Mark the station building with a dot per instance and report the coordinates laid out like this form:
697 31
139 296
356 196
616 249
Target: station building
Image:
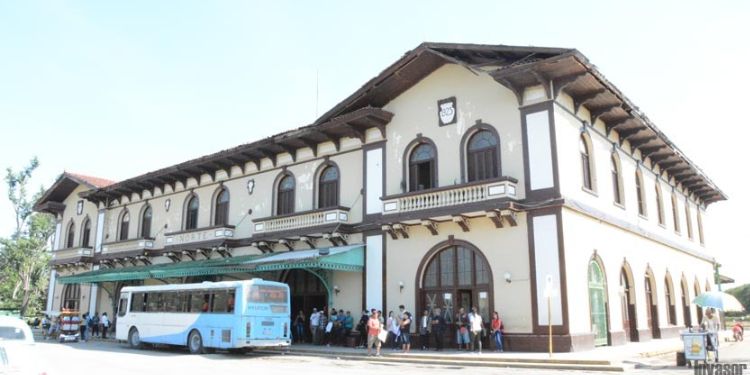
513 179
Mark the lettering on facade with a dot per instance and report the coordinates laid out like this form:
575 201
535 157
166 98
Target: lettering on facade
191 237
447 111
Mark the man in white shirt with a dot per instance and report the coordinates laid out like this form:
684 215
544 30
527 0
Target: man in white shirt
314 324
476 325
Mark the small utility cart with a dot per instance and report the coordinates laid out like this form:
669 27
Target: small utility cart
70 326
698 344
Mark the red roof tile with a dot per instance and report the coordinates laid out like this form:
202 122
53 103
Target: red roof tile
94 181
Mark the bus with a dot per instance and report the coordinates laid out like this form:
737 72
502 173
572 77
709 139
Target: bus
204 316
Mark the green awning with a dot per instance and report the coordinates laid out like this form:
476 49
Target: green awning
342 258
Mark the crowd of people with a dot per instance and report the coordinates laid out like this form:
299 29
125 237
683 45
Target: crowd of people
89 326
395 330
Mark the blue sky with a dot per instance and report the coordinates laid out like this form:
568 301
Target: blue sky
116 89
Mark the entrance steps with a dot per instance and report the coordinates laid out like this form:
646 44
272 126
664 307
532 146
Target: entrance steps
453 359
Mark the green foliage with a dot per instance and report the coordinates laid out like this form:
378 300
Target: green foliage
742 293
24 257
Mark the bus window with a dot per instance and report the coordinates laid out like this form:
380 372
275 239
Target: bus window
219 304
267 294
183 299
230 301
171 302
138 302
122 307
153 302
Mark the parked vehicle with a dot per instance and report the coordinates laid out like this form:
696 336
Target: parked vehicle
205 316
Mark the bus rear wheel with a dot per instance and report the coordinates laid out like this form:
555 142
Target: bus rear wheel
134 338
195 343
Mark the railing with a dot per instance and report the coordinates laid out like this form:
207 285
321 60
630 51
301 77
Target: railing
302 220
450 196
128 245
72 253
199 235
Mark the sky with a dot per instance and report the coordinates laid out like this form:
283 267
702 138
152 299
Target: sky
117 89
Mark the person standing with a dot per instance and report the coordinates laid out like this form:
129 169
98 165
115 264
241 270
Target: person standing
424 330
711 324
314 324
83 325
406 331
105 325
322 328
462 329
362 328
373 330
497 331
438 326
347 327
476 325
95 325
299 327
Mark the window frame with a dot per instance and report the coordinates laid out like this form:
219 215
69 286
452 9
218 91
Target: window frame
123 225
640 194
287 206
411 170
86 232
617 188
70 236
190 220
328 192
146 221
585 150
221 208
466 153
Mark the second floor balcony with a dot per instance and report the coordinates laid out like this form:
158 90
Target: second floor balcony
302 220
200 240
72 256
135 248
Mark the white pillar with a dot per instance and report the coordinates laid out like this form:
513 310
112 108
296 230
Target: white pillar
99 231
374 269
51 289
53 273
93 294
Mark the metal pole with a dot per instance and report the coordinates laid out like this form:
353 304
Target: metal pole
549 321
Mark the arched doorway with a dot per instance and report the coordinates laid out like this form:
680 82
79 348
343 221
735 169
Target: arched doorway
670 300
627 302
451 276
686 318
307 292
71 297
652 309
598 303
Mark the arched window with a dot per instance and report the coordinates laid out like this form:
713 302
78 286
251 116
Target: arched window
71 297
124 225
86 233
700 227
616 180
659 203
285 195
685 302
627 303
71 237
588 179
640 193
652 310
688 220
482 156
328 187
670 300
191 212
675 216
146 217
221 207
699 310
422 167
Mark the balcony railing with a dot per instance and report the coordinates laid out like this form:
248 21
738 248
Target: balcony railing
72 255
504 187
300 220
128 246
199 235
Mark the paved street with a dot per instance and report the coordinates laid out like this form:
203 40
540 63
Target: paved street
114 359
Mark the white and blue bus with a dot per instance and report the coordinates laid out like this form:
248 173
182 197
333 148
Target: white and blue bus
234 315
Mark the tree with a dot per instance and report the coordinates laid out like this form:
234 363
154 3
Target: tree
24 257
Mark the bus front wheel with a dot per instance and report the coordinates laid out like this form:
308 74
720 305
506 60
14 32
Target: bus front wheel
195 343
134 338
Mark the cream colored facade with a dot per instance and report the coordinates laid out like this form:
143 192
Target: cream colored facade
532 224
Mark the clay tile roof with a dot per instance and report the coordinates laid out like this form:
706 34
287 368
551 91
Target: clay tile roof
96 182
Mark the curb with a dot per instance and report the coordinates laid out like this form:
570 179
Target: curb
468 362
